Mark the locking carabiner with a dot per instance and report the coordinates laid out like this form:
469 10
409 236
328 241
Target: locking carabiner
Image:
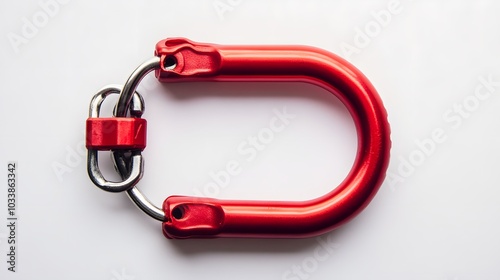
181 60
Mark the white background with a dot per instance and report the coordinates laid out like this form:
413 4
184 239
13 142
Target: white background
437 216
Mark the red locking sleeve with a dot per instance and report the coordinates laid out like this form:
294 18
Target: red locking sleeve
116 133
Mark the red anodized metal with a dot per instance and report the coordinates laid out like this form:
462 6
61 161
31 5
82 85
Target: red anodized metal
187 217
116 134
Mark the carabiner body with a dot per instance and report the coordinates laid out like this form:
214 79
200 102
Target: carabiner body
182 60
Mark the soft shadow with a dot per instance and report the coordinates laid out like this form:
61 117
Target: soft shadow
189 247
245 90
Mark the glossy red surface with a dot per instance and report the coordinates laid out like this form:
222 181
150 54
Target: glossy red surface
116 133
188 217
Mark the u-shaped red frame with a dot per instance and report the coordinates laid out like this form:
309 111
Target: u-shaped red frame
188 217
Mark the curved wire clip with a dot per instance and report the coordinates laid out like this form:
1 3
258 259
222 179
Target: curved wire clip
178 60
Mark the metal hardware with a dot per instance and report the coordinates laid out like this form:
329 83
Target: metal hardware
120 161
93 170
133 81
118 157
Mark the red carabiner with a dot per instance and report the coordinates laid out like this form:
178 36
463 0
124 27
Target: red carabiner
182 60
